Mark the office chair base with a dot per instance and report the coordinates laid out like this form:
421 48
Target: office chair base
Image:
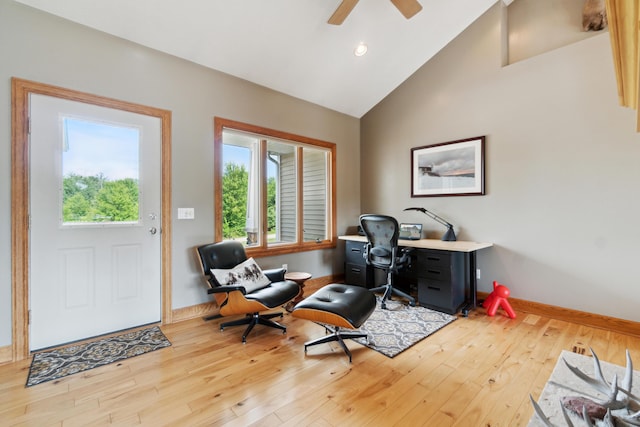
254 319
389 291
336 334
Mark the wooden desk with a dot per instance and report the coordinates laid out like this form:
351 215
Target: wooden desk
459 246
468 255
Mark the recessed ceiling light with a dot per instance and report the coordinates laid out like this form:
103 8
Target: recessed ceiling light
360 50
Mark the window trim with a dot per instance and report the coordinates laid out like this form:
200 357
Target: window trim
220 124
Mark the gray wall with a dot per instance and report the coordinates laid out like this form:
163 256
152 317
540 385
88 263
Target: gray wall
562 169
46 49
562 175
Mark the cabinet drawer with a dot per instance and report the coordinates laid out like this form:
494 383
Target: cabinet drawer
355 274
437 259
354 253
434 293
434 265
437 273
440 295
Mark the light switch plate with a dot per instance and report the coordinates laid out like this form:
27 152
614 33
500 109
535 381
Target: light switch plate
186 213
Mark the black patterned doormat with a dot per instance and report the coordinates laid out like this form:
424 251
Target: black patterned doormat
60 362
400 326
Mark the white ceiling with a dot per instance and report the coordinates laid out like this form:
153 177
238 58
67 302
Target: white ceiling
286 45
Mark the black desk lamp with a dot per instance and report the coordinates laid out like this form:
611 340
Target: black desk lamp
449 235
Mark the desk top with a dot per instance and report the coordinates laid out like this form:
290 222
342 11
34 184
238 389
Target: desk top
458 246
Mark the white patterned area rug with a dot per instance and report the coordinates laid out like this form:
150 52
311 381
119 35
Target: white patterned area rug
58 363
399 326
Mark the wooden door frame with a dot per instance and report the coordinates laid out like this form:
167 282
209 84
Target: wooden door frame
20 168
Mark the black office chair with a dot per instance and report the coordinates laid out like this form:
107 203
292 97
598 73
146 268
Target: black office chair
382 252
245 289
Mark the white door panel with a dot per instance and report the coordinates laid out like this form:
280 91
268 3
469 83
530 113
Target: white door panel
90 278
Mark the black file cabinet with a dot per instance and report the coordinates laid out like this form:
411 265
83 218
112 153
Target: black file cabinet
441 279
356 268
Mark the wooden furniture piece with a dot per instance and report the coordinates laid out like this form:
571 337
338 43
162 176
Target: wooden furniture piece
444 272
623 17
299 277
337 306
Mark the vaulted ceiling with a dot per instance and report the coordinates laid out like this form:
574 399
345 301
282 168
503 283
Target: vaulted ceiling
287 45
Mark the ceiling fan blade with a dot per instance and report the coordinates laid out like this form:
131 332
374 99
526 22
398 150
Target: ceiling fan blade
342 12
407 7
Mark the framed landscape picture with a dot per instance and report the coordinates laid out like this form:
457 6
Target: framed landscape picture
454 168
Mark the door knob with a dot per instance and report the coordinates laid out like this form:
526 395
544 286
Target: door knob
153 230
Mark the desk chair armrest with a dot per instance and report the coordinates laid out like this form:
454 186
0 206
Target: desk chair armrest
404 257
275 274
365 253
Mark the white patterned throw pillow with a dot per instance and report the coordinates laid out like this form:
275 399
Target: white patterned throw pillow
247 274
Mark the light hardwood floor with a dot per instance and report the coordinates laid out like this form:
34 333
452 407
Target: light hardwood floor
478 371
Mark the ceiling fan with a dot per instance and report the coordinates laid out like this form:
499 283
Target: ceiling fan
407 7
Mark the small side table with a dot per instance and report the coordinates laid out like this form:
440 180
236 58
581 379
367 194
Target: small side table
298 277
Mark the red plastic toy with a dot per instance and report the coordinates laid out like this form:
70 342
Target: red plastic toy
498 298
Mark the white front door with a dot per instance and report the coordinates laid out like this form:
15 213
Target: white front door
95 199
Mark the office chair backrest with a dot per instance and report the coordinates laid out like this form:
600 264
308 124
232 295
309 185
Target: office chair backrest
382 232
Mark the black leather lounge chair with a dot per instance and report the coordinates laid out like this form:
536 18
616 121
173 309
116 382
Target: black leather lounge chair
240 287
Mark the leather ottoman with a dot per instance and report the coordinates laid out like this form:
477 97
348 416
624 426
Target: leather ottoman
337 306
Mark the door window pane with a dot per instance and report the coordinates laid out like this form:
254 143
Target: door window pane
100 173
